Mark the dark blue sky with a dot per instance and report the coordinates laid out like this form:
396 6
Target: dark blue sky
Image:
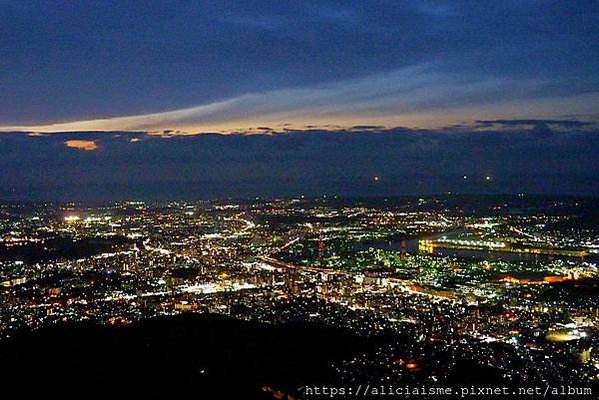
502 88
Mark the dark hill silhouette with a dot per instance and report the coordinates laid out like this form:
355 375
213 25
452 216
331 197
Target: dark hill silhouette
209 356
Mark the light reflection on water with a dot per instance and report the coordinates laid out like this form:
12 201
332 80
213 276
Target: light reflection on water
411 246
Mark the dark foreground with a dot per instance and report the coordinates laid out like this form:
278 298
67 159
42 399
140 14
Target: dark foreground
209 356
203 356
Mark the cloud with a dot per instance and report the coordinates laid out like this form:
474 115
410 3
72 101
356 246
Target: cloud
367 127
564 123
419 96
310 162
542 128
85 145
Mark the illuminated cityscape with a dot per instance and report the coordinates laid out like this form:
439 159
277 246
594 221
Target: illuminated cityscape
506 283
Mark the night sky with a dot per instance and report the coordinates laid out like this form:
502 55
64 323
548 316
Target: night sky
189 99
